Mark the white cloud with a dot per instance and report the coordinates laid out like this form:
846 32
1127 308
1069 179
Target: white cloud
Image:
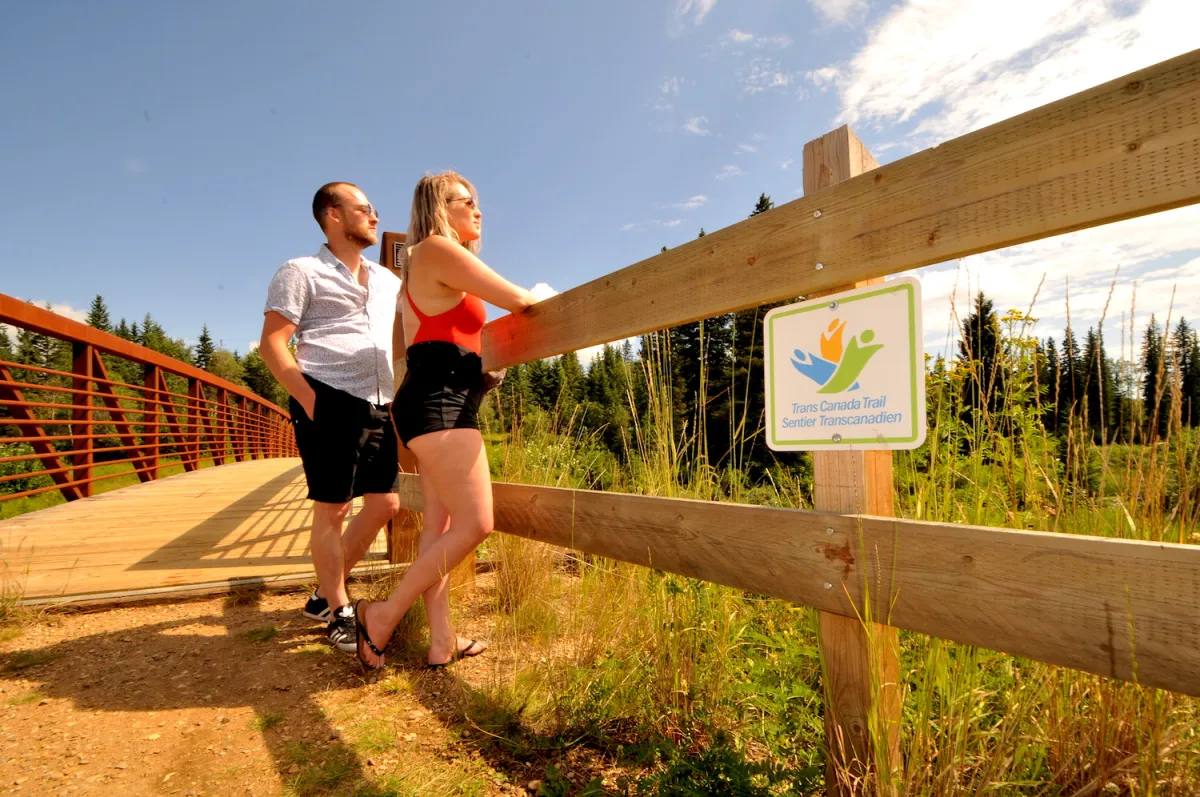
728 171
639 225
787 163
136 166
761 74
840 12
670 86
693 11
61 308
740 39
662 106
980 62
1155 254
746 148
691 203
251 346
824 77
697 125
542 291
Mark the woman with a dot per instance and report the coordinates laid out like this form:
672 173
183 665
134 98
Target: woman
445 286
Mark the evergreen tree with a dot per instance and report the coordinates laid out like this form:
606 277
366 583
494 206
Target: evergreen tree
701 353
204 349
258 377
607 389
1154 382
122 330
1098 383
979 350
1049 378
747 405
513 398
1070 382
544 383
570 382
32 349
1187 360
6 347
98 315
226 365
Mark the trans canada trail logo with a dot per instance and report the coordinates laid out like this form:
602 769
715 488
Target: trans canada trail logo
839 365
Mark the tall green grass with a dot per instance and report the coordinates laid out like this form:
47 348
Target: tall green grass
656 668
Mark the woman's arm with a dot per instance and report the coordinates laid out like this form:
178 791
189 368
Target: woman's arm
458 269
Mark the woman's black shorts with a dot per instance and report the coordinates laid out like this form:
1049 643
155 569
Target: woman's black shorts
442 389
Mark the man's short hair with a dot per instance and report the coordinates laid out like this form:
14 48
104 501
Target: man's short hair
324 199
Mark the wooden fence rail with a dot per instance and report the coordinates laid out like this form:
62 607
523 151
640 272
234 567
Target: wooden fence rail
1127 148
1125 609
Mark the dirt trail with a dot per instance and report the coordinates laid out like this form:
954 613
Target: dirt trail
189 698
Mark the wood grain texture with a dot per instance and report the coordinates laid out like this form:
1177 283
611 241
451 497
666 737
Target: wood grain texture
860 659
237 521
1082 602
1119 150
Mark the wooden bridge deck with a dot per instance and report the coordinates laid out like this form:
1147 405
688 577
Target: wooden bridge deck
248 520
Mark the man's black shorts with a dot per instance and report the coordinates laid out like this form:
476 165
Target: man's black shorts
348 447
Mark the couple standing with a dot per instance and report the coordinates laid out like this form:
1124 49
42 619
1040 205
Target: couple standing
348 317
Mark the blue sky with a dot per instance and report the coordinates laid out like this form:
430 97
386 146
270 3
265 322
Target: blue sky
164 155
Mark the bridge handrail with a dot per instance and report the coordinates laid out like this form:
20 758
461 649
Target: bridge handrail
213 420
45 322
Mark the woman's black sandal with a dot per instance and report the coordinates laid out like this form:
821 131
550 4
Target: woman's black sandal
361 636
459 654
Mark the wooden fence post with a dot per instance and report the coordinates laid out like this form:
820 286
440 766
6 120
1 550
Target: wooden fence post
860 661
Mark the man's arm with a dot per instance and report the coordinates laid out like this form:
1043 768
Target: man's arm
273 348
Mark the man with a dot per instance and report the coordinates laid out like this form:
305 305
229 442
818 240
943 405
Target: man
341 308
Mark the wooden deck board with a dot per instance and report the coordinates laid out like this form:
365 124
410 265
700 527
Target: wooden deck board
249 519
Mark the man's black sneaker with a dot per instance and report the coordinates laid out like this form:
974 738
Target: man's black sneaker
341 629
317 608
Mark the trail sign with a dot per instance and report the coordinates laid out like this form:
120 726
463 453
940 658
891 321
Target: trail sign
847 371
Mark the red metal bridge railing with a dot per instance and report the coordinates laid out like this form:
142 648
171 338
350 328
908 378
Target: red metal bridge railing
64 424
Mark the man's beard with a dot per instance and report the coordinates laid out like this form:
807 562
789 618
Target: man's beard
363 240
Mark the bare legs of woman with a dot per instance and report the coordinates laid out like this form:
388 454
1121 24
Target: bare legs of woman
444 644
454 469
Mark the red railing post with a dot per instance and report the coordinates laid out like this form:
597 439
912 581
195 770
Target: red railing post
222 419
152 416
195 393
83 439
243 439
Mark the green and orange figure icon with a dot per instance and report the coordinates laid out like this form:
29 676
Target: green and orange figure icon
838 367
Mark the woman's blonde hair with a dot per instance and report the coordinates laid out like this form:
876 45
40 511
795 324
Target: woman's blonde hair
429 216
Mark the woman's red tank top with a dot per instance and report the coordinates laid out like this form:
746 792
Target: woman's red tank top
462 324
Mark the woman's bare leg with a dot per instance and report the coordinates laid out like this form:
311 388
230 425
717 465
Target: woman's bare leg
454 463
